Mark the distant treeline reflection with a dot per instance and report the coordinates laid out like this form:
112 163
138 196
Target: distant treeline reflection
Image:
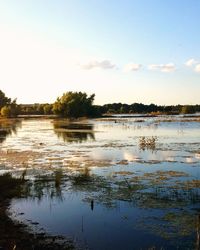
73 132
8 127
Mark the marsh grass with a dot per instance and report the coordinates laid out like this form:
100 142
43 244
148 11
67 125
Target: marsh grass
147 142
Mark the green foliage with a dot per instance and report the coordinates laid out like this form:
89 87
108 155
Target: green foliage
6 111
36 109
78 104
140 108
188 109
47 109
74 104
8 108
4 100
11 110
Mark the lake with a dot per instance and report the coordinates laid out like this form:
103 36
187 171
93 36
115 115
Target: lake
109 183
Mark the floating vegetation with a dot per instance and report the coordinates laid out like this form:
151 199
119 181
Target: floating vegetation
164 175
123 162
148 142
109 182
18 158
159 177
191 184
173 226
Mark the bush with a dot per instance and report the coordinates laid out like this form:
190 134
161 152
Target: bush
6 111
74 105
11 110
47 109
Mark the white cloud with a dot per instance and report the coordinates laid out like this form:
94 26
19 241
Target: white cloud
105 64
197 68
191 62
132 67
194 64
169 67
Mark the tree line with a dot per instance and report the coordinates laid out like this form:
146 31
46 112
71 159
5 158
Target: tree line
140 108
79 104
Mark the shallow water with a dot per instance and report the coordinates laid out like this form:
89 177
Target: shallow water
120 183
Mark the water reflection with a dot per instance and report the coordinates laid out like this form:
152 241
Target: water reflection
49 185
162 205
73 132
8 127
120 186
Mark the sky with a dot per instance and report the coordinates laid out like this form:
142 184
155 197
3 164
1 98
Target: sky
122 50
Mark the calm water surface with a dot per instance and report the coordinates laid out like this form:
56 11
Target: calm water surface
113 183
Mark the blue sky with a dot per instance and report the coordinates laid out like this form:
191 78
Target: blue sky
123 51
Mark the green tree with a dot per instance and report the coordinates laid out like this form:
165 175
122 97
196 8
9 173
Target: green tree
6 111
47 109
188 109
4 100
11 109
74 104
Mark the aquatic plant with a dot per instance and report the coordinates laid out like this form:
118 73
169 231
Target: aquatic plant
148 142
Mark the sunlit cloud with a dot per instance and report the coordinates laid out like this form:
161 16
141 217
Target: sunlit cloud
194 64
132 67
197 68
105 64
169 67
191 62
